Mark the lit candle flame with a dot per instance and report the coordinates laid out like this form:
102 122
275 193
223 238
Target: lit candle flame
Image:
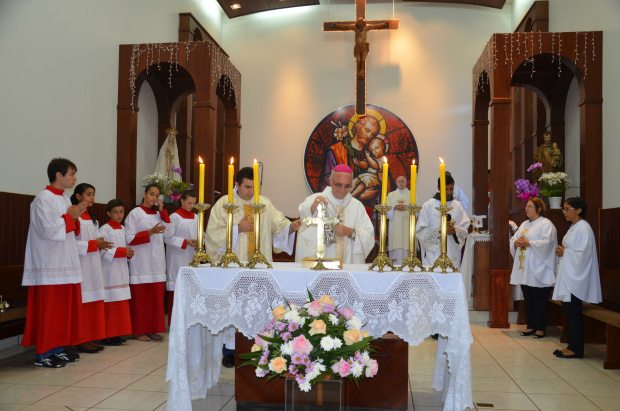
200 159
413 161
384 159
231 160
441 159
255 160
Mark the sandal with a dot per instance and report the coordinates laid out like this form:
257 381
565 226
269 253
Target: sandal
142 337
155 336
526 333
539 335
87 348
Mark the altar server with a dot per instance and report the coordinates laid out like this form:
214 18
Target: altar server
578 277
354 236
428 231
181 244
52 270
398 234
533 249
277 232
89 242
144 232
116 276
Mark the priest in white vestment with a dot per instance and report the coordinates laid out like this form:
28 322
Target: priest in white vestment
428 230
398 233
578 278
354 236
277 234
533 249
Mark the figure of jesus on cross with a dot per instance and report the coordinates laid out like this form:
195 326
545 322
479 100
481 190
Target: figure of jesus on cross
361 27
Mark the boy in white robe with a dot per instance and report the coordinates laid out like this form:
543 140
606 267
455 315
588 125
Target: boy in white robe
428 230
52 270
354 236
116 276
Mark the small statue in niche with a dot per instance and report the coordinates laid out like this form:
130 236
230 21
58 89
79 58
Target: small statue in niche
549 156
169 156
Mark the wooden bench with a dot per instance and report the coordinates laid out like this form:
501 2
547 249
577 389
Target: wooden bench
601 325
13 319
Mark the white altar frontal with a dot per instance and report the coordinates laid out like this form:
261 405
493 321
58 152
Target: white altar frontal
411 305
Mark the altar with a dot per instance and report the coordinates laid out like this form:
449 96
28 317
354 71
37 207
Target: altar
411 305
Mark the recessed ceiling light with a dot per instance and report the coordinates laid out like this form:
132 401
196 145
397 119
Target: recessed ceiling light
235 6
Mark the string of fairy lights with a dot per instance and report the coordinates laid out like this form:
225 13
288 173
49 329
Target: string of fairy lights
152 52
512 49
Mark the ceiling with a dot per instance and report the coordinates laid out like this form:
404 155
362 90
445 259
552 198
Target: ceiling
257 6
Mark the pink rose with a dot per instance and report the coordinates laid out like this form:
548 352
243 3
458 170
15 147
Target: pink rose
315 309
301 345
372 368
346 313
336 368
344 368
260 342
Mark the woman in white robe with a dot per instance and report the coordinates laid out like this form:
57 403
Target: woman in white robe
181 244
533 248
578 277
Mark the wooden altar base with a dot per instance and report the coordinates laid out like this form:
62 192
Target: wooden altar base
388 390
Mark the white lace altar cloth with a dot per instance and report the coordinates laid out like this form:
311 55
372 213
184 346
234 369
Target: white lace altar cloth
467 265
411 305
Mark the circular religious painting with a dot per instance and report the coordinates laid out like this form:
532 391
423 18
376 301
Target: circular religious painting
361 142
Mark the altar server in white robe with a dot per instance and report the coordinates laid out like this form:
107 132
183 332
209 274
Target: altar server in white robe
116 276
145 229
277 234
533 249
428 230
89 242
398 234
354 236
578 278
459 195
52 270
181 244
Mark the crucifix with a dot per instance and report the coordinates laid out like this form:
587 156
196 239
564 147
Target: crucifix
321 221
361 27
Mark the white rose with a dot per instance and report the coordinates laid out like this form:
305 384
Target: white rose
354 323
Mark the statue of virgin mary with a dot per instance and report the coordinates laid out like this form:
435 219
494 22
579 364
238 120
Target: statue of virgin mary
169 156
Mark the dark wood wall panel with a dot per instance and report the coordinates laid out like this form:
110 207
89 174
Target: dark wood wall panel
609 238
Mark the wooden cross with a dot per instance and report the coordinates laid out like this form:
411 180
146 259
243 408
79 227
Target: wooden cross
361 27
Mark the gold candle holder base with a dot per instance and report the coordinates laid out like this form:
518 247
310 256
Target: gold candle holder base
257 257
412 261
229 257
200 257
443 260
382 260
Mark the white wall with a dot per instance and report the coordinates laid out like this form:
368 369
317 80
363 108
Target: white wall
59 81
146 160
294 75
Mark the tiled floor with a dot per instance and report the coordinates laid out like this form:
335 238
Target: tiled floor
509 372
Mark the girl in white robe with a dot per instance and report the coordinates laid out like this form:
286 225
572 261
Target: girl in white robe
144 230
533 248
181 244
578 277
89 242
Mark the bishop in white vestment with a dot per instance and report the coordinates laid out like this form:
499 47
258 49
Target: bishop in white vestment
398 233
428 230
354 236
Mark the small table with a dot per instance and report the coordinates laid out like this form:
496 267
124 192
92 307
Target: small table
411 305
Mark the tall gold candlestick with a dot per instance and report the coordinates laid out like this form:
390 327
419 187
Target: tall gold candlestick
382 260
201 256
229 257
412 261
443 260
256 256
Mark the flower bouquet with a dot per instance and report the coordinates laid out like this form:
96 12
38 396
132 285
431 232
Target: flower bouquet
311 343
168 187
554 184
526 190
161 181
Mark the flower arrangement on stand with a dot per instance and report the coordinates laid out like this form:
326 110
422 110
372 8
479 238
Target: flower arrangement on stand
311 343
554 184
168 187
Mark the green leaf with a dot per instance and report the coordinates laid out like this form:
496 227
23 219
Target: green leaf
249 362
271 339
310 297
250 355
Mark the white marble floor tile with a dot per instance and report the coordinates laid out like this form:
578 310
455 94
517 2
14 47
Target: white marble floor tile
551 402
494 384
27 394
134 400
78 396
598 388
63 376
422 382
530 386
607 403
224 389
12 407
150 383
45 407
109 380
504 400
10 375
129 367
534 373
211 403
487 371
